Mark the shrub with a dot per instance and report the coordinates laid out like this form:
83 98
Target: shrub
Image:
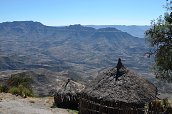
3 88
21 90
14 91
160 105
19 79
19 84
24 91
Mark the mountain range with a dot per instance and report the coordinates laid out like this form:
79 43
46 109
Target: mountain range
80 51
134 30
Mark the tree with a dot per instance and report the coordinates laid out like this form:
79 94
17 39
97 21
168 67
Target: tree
160 38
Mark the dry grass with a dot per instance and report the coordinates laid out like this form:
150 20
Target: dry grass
72 111
46 101
170 101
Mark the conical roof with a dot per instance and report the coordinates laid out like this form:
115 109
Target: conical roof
70 87
129 87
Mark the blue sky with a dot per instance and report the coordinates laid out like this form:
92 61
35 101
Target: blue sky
85 12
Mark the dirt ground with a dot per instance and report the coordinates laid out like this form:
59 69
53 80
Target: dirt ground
11 104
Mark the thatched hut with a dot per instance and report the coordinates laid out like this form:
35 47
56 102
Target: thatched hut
67 95
117 91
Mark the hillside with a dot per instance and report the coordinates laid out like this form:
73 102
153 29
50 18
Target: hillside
81 51
44 83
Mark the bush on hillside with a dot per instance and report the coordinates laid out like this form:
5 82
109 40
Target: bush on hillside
14 90
19 79
18 84
3 88
21 90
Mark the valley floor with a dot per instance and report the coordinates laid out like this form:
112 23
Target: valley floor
11 104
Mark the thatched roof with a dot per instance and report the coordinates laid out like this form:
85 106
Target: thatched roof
128 88
70 87
67 95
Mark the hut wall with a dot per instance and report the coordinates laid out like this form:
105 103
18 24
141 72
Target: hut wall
66 101
90 107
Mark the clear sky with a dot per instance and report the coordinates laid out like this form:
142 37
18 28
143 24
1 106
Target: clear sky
85 12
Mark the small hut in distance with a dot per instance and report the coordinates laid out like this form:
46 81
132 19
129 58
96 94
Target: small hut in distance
117 91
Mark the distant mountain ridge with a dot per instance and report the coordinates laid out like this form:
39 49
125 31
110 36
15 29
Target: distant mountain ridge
81 51
135 30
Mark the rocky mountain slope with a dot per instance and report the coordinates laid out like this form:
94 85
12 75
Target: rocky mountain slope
75 51
81 51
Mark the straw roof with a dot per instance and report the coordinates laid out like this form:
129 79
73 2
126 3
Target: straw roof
128 88
70 88
67 95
